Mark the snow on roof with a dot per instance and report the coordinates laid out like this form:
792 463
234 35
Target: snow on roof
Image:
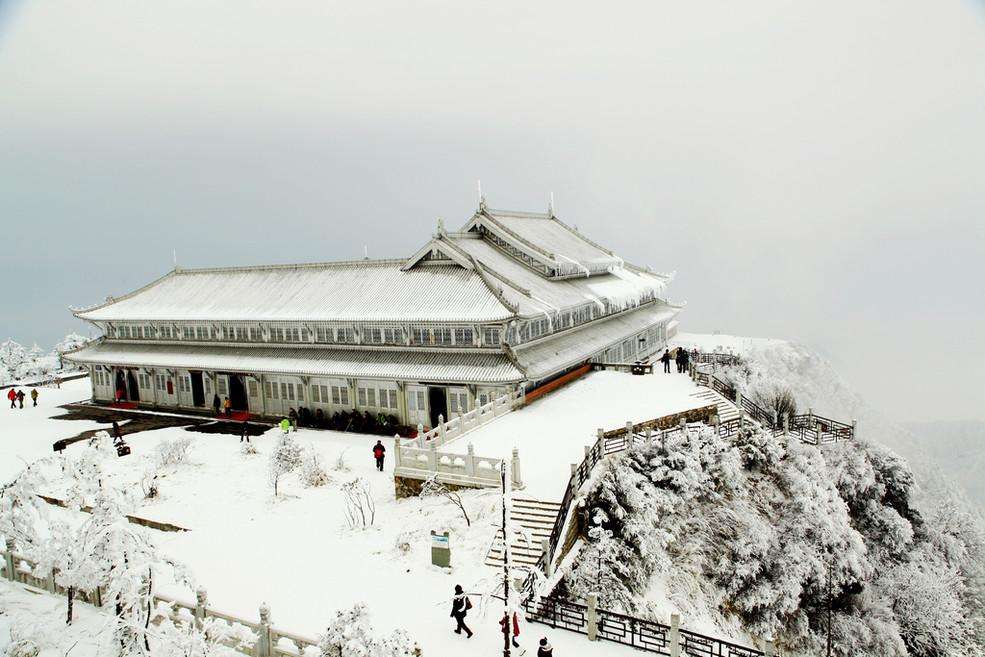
577 345
359 290
534 294
551 237
438 367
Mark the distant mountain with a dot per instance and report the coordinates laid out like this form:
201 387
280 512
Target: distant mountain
958 450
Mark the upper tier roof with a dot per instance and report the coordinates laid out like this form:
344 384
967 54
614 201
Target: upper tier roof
362 290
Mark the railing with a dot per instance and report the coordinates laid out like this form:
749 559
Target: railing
715 358
263 640
466 469
645 635
629 368
463 423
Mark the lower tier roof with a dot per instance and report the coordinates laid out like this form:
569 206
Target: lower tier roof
455 367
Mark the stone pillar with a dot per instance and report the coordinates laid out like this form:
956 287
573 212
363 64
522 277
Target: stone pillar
675 635
786 424
396 451
201 601
854 427
441 427
264 647
433 457
738 400
9 559
420 435
592 616
515 469
629 433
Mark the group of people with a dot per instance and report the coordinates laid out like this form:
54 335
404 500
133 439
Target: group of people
224 405
681 356
17 397
460 606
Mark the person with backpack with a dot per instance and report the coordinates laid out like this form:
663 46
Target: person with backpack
685 361
379 453
20 398
460 605
12 396
34 396
545 649
665 359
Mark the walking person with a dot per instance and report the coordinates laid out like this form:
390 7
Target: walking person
545 649
379 453
685 361
460 606
12 396
227 407
34 396
117 434
20 398
216 403
665 359
504 623
244 433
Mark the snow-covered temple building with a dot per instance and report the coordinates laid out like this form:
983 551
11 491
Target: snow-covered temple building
513 299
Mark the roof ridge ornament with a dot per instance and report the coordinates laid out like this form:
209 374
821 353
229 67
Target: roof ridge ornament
550 206
441 229
482 198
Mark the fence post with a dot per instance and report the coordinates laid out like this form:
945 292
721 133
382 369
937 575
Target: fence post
600 433
470 460
738 400
545 546
515 468
263 632
201 601
396 451
593 617
441 427
854 427
675 635
9 559
786 424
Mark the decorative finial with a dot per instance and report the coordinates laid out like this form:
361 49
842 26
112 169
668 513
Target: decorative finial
550 206
441 226
482 199
174 258
365 252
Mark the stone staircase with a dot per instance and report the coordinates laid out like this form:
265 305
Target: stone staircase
535 518
727 410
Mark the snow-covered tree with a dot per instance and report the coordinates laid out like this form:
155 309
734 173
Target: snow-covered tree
434 488
312 469
350 634
360 508
285 458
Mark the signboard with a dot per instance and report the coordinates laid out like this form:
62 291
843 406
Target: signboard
440 550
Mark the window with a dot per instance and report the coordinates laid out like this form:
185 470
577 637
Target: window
223 386
324 394
253 388
276 334
361 396
188 332
184 383
371 396
373 335
300 392
464 335
458 402
271 390
256 335
388 399
346 335
442 335
203 333
315 395
162 382
416 401
490 336
324 334
483 398
420 335
393 335
165 332
340 395
149 332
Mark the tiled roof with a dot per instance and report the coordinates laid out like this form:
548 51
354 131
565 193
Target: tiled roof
438 367
361 290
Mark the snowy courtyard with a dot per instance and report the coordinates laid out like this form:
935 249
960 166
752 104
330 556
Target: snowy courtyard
295 552
553 432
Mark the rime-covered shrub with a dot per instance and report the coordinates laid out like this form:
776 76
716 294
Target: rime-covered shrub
350 634
172 452
759 450
312 470
285 458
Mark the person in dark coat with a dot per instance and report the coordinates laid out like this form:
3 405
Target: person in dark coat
244 433
34 396
216 403
379 453
460 606
665 359
117 434
20 398
685 360
545 649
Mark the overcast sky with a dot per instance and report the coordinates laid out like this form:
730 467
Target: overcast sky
813 170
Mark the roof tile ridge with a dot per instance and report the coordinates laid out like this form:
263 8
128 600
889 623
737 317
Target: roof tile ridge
583 237
517 237
111 300
381 262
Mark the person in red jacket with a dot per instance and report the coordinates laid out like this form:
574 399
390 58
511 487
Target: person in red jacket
12 396
379 453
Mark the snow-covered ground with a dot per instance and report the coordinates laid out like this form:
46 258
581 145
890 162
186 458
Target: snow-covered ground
552 432
295 552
